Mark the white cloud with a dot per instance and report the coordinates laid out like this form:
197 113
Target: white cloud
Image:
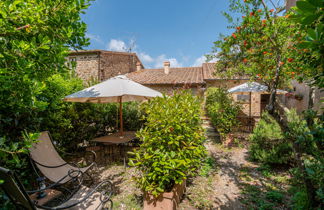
146 58
202 59
94 37
116 45
199 61
158 61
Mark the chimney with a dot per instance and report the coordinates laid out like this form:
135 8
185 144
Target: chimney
138 66
166 67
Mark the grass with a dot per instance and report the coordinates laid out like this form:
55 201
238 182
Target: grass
264 188
199 193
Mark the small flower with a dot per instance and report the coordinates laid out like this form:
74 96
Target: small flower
245 60
264 21
281 63
233 35
238 28
245 42
265 52
290 60
251 13
293 73
259 10
272 10
287 16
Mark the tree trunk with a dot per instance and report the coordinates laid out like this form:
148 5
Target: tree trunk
272 100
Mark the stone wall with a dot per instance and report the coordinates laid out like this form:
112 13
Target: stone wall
301 89
113 64
101 65
86 66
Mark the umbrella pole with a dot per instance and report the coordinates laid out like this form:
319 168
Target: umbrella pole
250 120
121 116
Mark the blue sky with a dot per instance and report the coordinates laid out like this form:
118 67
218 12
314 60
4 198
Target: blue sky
180 31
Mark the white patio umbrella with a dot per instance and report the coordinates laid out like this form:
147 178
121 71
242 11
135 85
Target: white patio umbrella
117 89
252 87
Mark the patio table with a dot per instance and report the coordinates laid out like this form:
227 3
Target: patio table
115 138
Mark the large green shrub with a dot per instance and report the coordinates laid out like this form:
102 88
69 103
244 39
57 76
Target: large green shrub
307 136
268 143
222 110
172 147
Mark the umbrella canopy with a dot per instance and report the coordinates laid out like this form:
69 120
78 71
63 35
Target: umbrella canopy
252 87
117 89
111 90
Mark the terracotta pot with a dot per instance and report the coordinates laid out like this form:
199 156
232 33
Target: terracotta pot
165 201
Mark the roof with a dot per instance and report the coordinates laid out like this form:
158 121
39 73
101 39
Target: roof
209 70
82 52
182 76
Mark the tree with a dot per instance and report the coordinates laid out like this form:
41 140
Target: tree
35 38
263 46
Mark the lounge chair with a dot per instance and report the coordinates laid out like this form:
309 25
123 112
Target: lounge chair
84 198
45 157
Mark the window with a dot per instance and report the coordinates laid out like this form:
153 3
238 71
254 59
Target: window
72 63
243 98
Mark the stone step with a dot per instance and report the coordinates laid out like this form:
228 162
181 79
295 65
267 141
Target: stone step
211 134
210 129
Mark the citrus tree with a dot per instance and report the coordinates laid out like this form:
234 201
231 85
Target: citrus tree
262 46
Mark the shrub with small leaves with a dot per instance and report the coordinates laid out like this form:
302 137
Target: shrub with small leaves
222 110
268 144
172 147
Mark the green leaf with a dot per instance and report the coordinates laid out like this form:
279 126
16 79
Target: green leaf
305 6
309 19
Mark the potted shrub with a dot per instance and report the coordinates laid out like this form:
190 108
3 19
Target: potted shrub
171 150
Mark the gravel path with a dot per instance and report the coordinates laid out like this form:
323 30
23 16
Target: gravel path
226 187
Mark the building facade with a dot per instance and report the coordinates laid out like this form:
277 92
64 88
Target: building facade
100 65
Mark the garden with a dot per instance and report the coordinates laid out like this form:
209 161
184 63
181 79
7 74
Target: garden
190 152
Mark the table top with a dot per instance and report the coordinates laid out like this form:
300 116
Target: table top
115 138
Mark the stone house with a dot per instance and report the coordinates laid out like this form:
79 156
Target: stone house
100 65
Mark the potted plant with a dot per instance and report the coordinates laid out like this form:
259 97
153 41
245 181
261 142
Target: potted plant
171 150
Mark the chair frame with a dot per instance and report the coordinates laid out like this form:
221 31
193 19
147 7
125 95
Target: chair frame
34 163
104 195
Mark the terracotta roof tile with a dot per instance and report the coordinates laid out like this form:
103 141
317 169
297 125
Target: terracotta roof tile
210 73
185 75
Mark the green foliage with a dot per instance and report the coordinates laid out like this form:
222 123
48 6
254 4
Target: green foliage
274 196
222 110
208 167
172 147
268 143
308 137
35 37
310 15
